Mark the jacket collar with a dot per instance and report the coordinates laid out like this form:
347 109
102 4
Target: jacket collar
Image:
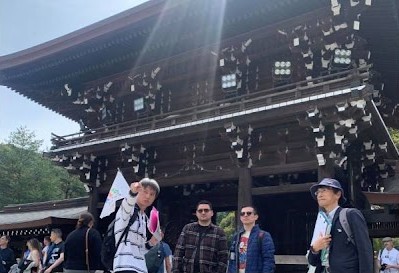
254 229
336 215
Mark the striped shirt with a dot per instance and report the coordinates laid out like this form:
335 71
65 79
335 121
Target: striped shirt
130 253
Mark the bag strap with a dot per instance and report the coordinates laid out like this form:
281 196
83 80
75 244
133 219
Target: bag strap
87 250
261 235
162 248
260 238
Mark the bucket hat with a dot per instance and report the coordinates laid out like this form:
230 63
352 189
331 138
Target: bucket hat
327 182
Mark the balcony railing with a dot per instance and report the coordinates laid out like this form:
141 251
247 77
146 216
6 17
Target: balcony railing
247 102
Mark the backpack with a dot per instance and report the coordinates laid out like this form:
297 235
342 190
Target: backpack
154 258
108 248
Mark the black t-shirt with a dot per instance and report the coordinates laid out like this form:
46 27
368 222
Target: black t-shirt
54 254
202 231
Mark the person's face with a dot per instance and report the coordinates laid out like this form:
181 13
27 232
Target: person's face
146 196
204 213
326 197
248 216
46 243
53 237
3 241
388 245
29 246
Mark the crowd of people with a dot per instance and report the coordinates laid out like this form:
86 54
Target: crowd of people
202 246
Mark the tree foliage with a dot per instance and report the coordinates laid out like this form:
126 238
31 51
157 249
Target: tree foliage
26 176
395 136
226 220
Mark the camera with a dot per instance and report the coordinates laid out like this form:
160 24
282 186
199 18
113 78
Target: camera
383 267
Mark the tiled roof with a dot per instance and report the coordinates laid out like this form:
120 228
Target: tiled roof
16 217
42 214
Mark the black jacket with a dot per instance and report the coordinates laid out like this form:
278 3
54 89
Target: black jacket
344 256
75 246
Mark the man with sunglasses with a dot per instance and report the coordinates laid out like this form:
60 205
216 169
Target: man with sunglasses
202 246
331 250
252 249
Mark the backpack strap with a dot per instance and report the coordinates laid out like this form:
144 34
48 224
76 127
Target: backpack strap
261 235
131 221
343 219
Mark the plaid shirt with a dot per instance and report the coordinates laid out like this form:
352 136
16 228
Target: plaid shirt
213 250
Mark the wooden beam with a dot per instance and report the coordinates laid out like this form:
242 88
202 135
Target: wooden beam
214 177
382 198
282 189
284 168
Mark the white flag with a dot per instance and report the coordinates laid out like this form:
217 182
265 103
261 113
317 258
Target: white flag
119 189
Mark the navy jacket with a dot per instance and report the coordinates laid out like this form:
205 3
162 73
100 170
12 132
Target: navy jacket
7 259
260 252
344 256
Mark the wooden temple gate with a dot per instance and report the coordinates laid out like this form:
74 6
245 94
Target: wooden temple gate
232 101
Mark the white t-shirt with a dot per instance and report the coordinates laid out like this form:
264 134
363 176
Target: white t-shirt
242 251
390 257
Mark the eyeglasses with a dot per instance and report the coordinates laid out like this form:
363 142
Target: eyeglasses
323 189
247 213
203 210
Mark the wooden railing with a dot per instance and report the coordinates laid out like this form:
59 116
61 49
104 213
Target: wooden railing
249 101
291 259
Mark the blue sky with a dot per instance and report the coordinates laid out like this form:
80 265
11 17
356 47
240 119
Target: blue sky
26 23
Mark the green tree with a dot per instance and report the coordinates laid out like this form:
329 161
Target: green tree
395 136
26 176
226 220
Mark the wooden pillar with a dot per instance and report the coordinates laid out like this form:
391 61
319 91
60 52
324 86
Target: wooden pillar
93 201
325 171
244 188
351 186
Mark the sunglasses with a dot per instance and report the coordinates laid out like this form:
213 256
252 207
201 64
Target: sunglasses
203 210
247 213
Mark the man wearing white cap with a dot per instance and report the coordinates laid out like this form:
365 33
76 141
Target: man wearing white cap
332 250
389 257
129 257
